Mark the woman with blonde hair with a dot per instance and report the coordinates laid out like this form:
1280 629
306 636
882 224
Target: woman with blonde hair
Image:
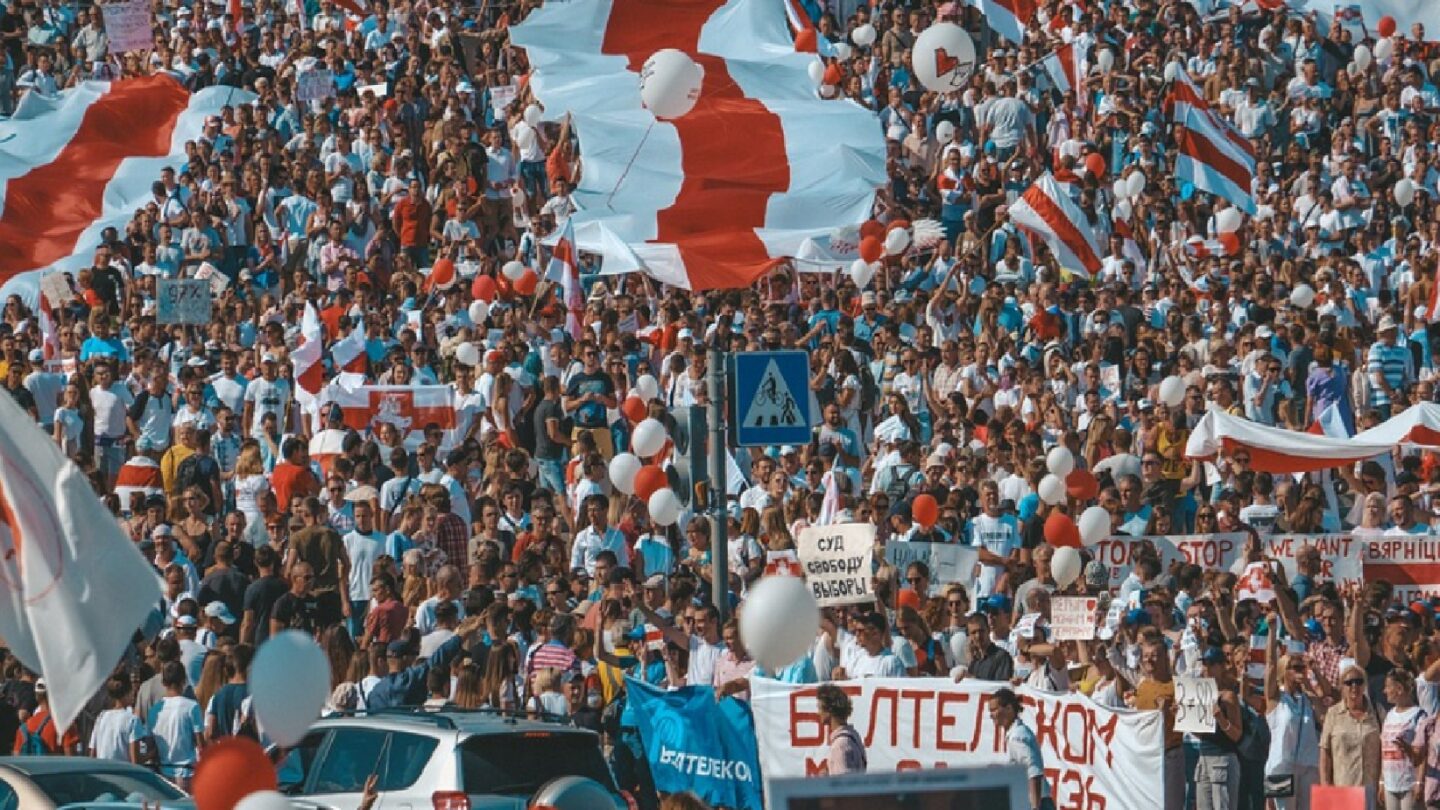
502 666
212 676
469 691
773 533
1350 738
250 480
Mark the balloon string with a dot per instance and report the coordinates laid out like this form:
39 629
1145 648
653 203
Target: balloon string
626 171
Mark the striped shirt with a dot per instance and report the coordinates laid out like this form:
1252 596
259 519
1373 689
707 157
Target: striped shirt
1391 361
553 655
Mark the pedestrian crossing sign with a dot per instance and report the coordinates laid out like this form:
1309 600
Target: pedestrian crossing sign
771 405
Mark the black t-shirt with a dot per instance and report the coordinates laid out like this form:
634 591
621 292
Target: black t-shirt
227 586
297 612
545 448
106 282
261 597
22 397
11 24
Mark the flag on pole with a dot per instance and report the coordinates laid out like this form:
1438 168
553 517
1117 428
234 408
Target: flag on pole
1009 18
73 587
1065 67
309 370
1213 155
349 351
565 271
1046 211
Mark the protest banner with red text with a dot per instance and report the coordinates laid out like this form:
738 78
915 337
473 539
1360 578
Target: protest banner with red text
1096 758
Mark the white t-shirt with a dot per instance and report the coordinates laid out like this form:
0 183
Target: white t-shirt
114 730
363 549
1395 768
1002 538
884 665
703 656
176 721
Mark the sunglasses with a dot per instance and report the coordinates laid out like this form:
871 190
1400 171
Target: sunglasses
1354 682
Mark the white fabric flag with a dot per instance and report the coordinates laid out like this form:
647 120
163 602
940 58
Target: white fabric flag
73 587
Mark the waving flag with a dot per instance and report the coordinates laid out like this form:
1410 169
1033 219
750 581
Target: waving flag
1009 18
141 474
713 199
307 357
1225 244
1066 68
565 271
73 588
1213 155
73 164
349 351
1046 211
407 407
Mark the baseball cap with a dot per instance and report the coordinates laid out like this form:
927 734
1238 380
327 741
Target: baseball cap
186 621
685 334
398 648
218 610
1387 324
655 581
1138 616
163 530
37 356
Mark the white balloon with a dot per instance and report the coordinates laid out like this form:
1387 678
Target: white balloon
945 132
827 91
1135 183
479 311
861 272
1065 566
264 800
1172 71
1302 296
1123 210
1105 59
778 621
1384 49
289 682
1121 188
896 241
670 83
864 36
623 468
513 270
648 438
817 71
466 354
843 52
944 57
1362 56
1060 461
1052 489
1404 191
647 387
1172 391
533 115
1229 220
664 507
1094 525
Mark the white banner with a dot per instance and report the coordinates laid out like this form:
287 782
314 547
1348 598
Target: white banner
948 562
1072 618
836 560
128 26
1095 757
315 85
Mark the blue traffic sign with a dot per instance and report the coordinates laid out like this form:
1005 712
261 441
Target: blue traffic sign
771 402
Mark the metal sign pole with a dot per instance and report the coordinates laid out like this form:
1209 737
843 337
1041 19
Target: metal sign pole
719 487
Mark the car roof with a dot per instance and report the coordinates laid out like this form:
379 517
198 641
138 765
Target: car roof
45 765
467 722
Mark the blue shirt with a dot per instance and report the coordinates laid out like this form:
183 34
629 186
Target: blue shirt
109 347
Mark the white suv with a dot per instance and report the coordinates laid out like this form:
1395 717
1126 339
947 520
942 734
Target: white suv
447 759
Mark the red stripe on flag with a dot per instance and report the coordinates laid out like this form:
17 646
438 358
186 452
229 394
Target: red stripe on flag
1412 574
49 207
732 149
1202 149
1061 225
1274 461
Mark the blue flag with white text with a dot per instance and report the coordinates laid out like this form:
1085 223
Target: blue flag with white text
694 743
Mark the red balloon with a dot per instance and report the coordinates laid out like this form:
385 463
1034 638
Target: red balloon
1095 165
870 249
925 510
833 76
1387 25
634 408
483 288
525 285
806 42
1082 485
442 274
1060 530
872 228
229 771
650 480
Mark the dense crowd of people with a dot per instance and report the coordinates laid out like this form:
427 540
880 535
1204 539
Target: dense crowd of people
952 374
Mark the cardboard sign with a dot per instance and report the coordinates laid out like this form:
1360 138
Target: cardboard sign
502 96
314 85
217 280
56 289
1072 618
837 562
948 562
1195 700
128 25
182 300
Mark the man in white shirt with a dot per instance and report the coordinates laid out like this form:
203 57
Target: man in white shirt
873 657
110 402
597 537
363 545
997 537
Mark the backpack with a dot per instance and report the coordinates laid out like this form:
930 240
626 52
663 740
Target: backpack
189 474
898 486
1254 744
869 391
34 741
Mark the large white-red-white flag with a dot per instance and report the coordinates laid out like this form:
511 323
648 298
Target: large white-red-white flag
1066 68
1213 155
1009 18
1046 211
564 269
73 588
308 359
407 407
349 351
81 161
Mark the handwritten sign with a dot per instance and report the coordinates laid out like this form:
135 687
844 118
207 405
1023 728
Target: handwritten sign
1195 700
128 26
947 562
837 562
502 96
56 289
315 85
1072 618
182 300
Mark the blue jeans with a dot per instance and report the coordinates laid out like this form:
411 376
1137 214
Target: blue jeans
532 178
356 623
552 474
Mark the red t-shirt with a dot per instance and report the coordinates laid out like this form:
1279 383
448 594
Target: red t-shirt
386 621
289 480
48 734
412 222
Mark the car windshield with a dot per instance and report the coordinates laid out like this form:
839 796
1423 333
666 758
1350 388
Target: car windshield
77 787
520 763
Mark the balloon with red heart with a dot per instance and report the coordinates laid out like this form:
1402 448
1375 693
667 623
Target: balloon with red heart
944 57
